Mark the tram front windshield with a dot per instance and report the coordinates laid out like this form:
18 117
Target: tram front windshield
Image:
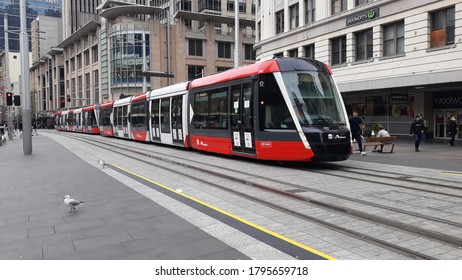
315 98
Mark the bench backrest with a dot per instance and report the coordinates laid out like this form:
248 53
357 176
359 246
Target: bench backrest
381 139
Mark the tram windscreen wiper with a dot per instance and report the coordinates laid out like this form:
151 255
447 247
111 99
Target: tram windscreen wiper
320 118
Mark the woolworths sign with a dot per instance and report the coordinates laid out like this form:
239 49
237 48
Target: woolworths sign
362 17
447 100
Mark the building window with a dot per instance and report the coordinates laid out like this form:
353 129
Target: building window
224 49
293 53
79 61
249 52
308 51
362 2
88 89
195 47
338 6
443 28
280 22
96 82
223 69
363 45
393 39
310 11
230 6
293 13
95 55
195 71
86 56
127 51
338 50
278 55
211 5
183 5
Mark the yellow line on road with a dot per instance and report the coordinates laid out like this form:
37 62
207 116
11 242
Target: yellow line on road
293 242
452 173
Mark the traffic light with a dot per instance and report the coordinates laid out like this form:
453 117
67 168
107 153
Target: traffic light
17 100
9 99
68 98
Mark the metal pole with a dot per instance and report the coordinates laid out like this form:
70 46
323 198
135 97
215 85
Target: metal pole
9 118
169 60
236 33
144 64
26 107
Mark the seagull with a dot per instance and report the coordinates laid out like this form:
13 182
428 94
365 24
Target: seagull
102 163
71 203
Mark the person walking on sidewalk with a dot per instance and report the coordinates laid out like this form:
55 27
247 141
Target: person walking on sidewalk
356 125
452 130
417 129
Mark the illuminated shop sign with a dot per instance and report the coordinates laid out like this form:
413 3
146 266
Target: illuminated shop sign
447 100
364 16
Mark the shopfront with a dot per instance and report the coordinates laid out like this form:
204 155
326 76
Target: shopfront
445 106
393 110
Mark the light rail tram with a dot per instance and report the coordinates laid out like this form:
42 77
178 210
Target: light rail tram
286 109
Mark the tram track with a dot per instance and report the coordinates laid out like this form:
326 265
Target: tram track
371 218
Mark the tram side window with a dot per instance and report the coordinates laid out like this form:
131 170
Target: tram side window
125 117
105 116
70 119
138 115
155 114
218 118
91 118
273 111
201 110
211 110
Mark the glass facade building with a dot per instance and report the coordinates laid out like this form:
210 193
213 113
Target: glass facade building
130 56
51 8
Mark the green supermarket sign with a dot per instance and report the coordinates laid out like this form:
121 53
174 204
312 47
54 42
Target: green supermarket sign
363 16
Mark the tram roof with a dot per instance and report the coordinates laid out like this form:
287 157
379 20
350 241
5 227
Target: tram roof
262 67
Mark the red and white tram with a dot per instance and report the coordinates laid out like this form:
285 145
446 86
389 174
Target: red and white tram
282 109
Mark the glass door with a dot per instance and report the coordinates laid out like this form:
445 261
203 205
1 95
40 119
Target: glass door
242 115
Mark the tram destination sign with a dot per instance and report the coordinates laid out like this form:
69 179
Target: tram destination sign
363 16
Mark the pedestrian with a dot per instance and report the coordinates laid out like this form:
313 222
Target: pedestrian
452 130
356 126
382 133
34 129
417 129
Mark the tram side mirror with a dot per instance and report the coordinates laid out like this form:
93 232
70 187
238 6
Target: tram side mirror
254 77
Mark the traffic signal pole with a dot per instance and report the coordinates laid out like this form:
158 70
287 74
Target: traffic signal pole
9 118
26 107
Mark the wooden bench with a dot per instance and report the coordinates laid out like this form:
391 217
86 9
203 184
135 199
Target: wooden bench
378 141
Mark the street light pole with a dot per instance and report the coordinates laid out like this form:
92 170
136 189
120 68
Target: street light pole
9 117
26 108
236 33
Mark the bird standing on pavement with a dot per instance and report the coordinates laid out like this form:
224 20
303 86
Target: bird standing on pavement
71 203
102 163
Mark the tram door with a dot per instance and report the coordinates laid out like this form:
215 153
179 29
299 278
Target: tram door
122 121
165 129
177 115
155 120
242 116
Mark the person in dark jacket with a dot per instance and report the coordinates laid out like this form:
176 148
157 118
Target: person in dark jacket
417 129
452 130
356 125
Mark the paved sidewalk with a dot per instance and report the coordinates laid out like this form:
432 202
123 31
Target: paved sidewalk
433 154
115 222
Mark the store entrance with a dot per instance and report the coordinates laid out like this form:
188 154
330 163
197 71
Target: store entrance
441 120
